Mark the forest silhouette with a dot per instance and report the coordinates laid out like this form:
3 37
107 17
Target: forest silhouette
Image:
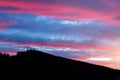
66 69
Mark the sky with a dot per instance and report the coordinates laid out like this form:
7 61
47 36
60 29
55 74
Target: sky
83 30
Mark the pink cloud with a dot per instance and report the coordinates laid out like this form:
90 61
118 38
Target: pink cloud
65 10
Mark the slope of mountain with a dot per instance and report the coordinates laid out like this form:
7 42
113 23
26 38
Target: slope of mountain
65 69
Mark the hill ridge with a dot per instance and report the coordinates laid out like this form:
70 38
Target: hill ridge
70 69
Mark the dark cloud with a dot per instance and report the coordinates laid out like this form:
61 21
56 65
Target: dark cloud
117 18
32 0
9 8
117 1
88 4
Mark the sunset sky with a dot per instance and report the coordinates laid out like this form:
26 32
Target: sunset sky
85 30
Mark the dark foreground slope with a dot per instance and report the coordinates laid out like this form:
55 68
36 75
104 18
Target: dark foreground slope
52 67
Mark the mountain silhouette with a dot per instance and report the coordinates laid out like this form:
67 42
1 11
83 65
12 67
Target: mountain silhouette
62 68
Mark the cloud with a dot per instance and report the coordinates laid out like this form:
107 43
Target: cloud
6 23
9 8
11 49
32 26
93 4
65 9
58 33
117 1
117 18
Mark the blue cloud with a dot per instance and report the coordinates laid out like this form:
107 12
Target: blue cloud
41 29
